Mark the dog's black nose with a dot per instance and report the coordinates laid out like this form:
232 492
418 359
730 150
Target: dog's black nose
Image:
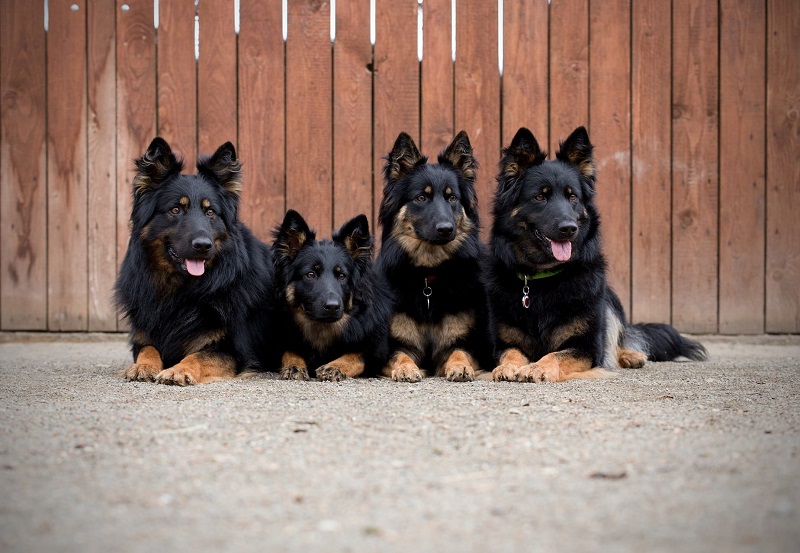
201 244
332 305
444 229
568 230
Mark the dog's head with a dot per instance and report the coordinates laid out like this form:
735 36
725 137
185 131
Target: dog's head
319 277
429 209
544 209
184 221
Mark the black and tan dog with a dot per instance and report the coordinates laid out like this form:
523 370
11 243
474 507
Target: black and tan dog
431 256
195 283
333 314
556 317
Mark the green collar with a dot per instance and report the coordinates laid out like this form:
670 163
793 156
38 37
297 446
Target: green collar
536 276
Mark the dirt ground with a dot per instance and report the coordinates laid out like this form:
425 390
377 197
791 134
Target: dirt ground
673 457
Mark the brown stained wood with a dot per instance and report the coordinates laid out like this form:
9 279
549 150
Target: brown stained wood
177 80
216 76
102 169
262 115
610 116
352 114
783 169
67 269
23 222
694 166
396 82
525 71
651 118
477 99
136 107
309 171
569 69
437 82
742 193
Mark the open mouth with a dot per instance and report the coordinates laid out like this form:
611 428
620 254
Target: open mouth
193 266
561 249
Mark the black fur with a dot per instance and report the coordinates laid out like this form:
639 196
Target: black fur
545 221
331 302
431 239
189 222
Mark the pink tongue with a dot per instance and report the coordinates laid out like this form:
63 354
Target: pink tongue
562 250
196 267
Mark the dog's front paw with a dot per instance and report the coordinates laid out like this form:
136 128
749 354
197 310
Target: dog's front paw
141 372
294 372
506 373
330 373
536 372
407 372
463 373
177 375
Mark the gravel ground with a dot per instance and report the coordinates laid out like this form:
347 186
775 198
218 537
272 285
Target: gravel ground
675 456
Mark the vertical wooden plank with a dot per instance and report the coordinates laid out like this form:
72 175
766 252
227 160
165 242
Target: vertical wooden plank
262 115
352 113
569 69
309 187
136 101
396 81
526 81
177 79
651 119
216 76
610 116
783 169
23 200
477 75
67 270
694 167
102 167
437 116
742 165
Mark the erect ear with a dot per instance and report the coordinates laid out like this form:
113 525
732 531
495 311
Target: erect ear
292 235
402 159
459 154
156 165
577 150
224 168
354 236
523 152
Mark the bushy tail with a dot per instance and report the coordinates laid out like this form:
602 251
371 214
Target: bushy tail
661 342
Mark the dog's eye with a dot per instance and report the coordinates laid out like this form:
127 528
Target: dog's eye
539 197
175 210
341 276
210 213
422 198
573 197
311 275
452 198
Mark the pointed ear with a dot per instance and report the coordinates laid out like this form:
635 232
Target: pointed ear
156 165
354 236
292 235
523 153
459 154
224 168
577 150
402 159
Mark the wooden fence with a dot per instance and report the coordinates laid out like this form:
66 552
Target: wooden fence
693 105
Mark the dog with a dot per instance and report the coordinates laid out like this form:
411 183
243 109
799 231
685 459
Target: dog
333 313
195 283
431 257
556 318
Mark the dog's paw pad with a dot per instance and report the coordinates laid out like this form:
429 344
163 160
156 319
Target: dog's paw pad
330 373
293 372
460 374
